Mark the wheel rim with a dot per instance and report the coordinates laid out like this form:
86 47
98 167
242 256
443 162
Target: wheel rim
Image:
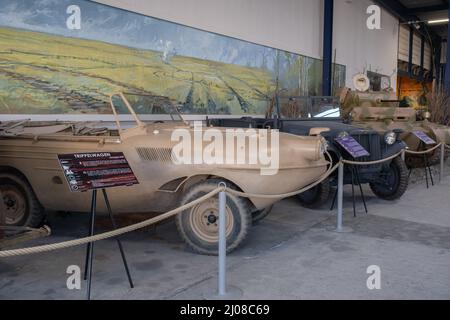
15 204
204 219
391 179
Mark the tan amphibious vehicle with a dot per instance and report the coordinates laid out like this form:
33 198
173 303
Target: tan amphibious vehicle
32 181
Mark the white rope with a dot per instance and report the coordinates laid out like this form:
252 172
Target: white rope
109 234
151 221
368 163
425 151
148 222
284 195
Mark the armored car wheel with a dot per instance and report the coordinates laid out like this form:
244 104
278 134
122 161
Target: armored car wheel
393 182
199 225
259 215
20 202
315 197
417 161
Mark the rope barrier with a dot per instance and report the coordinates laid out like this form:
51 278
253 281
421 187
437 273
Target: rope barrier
145 223
109 234
148 222
284 195
425 151
368 163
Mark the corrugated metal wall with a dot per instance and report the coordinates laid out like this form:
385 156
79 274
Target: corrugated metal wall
403 48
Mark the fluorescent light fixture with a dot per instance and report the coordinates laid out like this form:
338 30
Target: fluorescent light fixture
437 21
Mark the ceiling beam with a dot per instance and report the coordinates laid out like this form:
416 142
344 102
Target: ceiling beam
437 7
397 9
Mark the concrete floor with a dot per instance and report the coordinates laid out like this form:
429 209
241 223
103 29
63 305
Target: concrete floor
290 255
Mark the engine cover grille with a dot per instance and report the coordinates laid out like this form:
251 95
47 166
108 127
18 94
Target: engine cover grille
155 154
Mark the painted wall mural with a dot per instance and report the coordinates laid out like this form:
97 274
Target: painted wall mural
49 66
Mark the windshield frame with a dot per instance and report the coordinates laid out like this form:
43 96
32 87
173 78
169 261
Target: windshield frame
139 122
334 100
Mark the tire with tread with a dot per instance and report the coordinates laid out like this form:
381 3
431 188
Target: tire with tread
399 172
188 225
317 196
18 196
259 215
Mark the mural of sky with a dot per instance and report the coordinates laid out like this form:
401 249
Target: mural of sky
201 71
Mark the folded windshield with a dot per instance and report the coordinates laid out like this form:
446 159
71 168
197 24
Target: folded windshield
302 107
160 107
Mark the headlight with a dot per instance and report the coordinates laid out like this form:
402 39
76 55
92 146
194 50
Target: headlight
343 134
323 146
390 137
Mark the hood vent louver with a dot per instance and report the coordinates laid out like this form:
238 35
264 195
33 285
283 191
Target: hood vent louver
155 154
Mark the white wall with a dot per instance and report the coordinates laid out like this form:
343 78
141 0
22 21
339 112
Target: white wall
361 49
292 25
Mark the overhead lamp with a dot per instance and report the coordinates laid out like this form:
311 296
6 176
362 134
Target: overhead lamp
437 21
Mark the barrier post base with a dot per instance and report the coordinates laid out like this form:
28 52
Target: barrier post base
232 293
340 230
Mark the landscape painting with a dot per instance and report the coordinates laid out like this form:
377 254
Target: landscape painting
67 57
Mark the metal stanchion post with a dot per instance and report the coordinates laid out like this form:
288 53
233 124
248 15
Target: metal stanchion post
222 244
441 171
224 292
340 200
340 196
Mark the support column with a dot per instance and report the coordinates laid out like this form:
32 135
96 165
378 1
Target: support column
327 81
422 53
410 56
437 63
447 64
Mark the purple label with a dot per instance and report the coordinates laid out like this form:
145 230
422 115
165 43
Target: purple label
424 137
352 146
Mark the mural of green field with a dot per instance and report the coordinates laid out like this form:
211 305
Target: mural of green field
41 73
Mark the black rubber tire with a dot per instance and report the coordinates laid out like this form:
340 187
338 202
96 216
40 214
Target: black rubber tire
240 210
259 215
34 213
316 197
400 174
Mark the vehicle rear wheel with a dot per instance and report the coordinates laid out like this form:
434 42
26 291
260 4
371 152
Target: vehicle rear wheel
259 215
20 202
315 197
199 225
393 182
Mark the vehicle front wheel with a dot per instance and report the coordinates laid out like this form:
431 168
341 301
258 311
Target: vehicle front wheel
19 201
393 182
259 215
199 225
315 197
